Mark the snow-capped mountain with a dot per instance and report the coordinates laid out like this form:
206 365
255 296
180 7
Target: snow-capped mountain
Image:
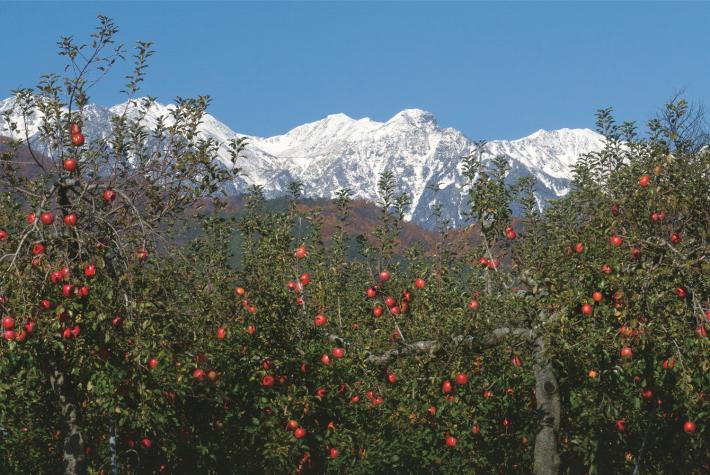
341 152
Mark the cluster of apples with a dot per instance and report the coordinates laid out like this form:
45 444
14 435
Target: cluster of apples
249 307
9 332
62 276
489 263
298 431
390 302
299 286
77 139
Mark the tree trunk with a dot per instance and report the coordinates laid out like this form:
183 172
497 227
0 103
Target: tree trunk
547 459
74 458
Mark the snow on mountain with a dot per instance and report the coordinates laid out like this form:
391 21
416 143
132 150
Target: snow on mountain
341 152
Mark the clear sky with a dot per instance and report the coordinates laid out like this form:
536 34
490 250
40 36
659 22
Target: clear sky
492 70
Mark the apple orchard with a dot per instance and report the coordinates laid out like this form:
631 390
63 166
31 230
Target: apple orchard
137 338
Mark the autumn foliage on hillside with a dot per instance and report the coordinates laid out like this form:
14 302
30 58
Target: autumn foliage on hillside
569 340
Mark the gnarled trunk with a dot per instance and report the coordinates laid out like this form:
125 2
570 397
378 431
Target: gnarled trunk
74 457
547 458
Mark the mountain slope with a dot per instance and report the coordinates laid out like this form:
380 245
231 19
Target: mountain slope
341 152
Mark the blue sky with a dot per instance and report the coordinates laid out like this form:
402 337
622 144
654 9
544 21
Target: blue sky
492 70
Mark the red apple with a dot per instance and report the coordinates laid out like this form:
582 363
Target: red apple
292 424
268 381
108 195
305 278
300 252
615 240
320 320
325 359
392 378
146 443
419 283
3 235
31 218
446 387
199 374
221 333
626 352
597 296
74 128
510 233
517 362
67 290
587 309
333 453
371 293
116 321
451 441
384 276
70 165
644 181
338 352
300 433
89 270
681 293
461 379
153 363
689 427
8 323
579 248
70 219
620 425
390 301
377 311
46 218
77 139
142 255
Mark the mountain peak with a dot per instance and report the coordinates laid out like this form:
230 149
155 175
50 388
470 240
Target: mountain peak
415 117
563 132
340 117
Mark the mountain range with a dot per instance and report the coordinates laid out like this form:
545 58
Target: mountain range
342 152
